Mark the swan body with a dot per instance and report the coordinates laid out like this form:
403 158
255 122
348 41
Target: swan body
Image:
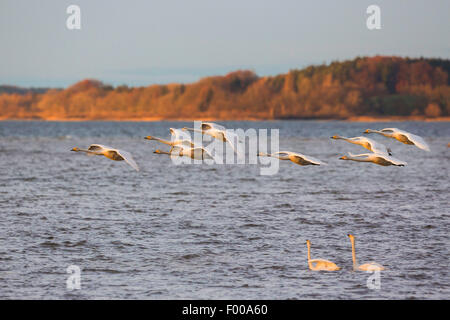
370 266
217 132
319 264
178 137
367 143
296 158
197 153
377 158
402 136
110 153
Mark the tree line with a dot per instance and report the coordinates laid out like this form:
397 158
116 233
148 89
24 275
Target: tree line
365 86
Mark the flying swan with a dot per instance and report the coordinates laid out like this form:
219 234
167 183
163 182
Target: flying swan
370 266
402 136
197 153
367 143
110 153
296 158
377 158
178 137
319 264
217 132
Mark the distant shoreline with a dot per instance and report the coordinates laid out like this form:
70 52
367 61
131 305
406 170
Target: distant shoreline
157 119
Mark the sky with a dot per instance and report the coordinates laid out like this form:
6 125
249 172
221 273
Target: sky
138 43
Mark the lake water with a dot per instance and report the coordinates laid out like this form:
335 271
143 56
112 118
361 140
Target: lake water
219 231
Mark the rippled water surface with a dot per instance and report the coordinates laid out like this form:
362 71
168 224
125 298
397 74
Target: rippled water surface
219 231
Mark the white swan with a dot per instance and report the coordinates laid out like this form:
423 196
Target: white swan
197 153
377 158
178 137
319 264
367 143
402 136
110 153
370 266
217 132
297 158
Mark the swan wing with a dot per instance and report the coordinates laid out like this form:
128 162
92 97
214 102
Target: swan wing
98 147
128 158
184 143
211 125
371 266
379 148
309 159
178 134
390 130
232 138
374 145
394 161
321 260
201 153
390 159
418 141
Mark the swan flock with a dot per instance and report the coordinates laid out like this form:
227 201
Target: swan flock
182 145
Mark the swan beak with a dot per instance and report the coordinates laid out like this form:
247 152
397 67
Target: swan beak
367 131
148 138
74 149
342 158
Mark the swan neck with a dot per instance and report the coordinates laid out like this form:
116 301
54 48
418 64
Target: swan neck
308 245
279 157
162 140
88 151
358 159
355 264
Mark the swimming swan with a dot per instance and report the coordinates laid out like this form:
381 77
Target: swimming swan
297 158
402 136
377 158
110 153
370 266
319 264
367 143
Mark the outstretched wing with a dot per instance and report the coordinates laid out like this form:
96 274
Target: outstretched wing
128 158
389 130
201 153
232 139
395 161
386 158
98 147
378 147
307 159
178 134
211 125
418 141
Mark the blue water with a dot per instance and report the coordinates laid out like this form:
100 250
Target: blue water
219 231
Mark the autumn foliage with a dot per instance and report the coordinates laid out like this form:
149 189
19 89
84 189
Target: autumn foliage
375 86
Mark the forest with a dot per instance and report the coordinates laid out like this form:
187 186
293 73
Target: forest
379 86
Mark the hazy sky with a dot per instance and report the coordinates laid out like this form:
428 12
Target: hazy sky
141 42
